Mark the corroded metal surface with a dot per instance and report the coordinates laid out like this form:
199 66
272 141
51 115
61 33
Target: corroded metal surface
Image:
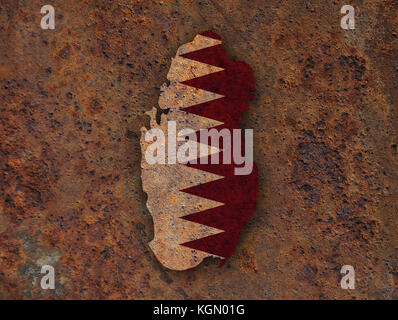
73 100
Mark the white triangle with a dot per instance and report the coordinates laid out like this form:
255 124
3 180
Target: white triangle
187 120
183 69
203 150
199 42
180 176
193 231
182 203
178 96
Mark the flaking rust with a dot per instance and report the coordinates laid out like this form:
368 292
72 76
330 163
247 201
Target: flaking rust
198 209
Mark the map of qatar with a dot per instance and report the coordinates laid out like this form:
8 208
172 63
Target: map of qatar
199 207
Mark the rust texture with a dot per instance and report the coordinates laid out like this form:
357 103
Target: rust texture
73 100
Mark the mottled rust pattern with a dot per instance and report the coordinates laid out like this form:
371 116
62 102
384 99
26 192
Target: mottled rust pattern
73 100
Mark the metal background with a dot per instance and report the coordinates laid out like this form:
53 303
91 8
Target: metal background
72 102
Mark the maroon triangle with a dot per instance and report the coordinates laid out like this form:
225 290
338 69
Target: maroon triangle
221 244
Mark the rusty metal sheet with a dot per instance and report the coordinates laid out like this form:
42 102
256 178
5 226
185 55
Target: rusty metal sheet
73 100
